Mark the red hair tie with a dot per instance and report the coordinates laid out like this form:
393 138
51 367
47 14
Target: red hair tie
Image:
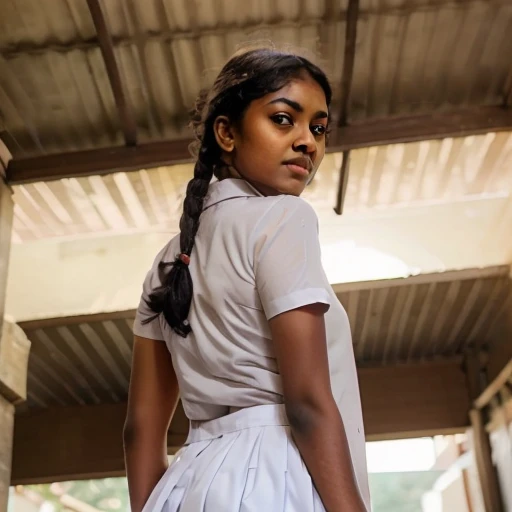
185 258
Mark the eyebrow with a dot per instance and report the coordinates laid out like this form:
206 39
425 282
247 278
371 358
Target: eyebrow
298 107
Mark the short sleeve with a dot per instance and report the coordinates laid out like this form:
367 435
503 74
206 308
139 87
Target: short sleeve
147 324
287 258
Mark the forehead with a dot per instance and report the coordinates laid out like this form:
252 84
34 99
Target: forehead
304 90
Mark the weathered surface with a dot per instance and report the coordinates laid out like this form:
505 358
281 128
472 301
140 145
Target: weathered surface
6 213
6 432
14 350
13 345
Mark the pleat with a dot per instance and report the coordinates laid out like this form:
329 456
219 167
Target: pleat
257 469
173 502
182 461
233 473
206 468
268 491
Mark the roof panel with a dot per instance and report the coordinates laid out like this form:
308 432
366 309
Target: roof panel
396 176
64 100
31 24
410 57
86 360
423 55
402 322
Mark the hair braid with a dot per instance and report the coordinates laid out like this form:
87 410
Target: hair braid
174 297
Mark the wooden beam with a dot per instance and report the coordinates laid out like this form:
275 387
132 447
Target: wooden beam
369 133
413 400
126 117
6 219
415 128
497 272
486 470
59 321
507 91
487 475
349 59
85 442
342 186
495 386
98 161
346 87
80 442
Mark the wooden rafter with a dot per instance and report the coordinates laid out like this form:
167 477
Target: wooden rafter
507 92
378 132
481 444
346 86
98 161
349 59
125 112
493 389
415 128
342 187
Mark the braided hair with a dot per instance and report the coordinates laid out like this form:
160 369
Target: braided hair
248 75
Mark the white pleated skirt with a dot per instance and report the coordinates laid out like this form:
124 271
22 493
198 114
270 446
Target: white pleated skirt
245 461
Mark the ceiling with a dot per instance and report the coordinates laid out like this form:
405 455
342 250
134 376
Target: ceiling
86 359
381 178
404 72
411 57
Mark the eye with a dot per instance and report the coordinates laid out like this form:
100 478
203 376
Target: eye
282 120
319 130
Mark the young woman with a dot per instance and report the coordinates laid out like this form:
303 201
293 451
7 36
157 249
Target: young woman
238 318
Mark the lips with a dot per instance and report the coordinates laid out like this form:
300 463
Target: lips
301 161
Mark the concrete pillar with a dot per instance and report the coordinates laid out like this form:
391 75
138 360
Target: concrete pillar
6 215
14 346
6 431
14 351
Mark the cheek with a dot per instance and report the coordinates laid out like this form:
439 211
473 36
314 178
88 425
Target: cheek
320 151
262 144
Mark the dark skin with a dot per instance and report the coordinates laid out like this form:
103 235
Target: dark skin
275 129
152 400
280 126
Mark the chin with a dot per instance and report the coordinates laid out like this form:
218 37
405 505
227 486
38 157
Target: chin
293 188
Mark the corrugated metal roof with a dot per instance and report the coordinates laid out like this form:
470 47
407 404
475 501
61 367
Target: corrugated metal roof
429 55
86 360
80 362
117 203
387 176
415 56
426 317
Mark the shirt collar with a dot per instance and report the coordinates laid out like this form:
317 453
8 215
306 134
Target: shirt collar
228 188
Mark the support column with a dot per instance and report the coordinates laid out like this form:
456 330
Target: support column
6 430
14 346
6 215
487 473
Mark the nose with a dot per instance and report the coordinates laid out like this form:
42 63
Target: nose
305 141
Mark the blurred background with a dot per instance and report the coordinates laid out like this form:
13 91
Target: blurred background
413 199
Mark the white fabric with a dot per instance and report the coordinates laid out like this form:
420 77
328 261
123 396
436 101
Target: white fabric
243 462
254 257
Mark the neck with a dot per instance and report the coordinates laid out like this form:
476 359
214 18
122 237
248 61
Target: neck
224 171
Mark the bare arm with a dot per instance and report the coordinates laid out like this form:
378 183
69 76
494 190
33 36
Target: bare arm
316 424
152 400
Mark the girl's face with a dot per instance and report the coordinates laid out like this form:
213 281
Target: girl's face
280 142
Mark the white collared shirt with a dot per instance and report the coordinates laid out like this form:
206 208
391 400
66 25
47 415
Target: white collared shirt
254 257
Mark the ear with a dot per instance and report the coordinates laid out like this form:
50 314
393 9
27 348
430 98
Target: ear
224 133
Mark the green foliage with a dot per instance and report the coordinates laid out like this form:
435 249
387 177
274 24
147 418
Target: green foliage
400 492
391 492
107 495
